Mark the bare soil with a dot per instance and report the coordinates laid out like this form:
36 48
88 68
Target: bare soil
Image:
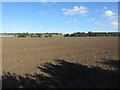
24 55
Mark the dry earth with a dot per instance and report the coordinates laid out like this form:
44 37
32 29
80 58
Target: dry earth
60 62
24 55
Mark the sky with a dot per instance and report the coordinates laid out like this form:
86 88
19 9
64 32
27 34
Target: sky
60 0
60 17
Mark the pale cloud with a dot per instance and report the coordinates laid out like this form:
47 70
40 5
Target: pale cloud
109 13
72 20
112 18
114 24
63 9
81 10
96 10
105 8
100 24
93 19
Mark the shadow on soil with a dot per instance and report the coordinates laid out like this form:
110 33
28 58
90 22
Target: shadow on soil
63 74
111 63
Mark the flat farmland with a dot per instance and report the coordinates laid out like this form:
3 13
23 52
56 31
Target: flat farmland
24 55
59 62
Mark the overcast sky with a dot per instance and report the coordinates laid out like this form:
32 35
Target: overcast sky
63 17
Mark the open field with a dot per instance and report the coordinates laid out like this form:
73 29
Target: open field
23 55
7 36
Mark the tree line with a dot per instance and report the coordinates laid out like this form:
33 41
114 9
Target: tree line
75 34
26 34
83 34
33 34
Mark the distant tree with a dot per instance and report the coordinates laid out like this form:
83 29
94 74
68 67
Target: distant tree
27 34
46 36
60 33
39 35
72 35
15 35
32 35
89 33
49 35
21 35
66 35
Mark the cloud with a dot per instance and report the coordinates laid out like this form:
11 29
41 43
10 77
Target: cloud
100 24
109 13
114 24
72 20
105 8
92 19
112 17
81 10
96 10
63 9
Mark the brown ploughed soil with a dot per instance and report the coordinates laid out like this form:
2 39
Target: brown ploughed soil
24 55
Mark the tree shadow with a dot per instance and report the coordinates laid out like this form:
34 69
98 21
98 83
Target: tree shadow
63 75
111 63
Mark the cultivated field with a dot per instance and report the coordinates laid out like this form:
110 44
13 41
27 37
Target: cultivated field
23 55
